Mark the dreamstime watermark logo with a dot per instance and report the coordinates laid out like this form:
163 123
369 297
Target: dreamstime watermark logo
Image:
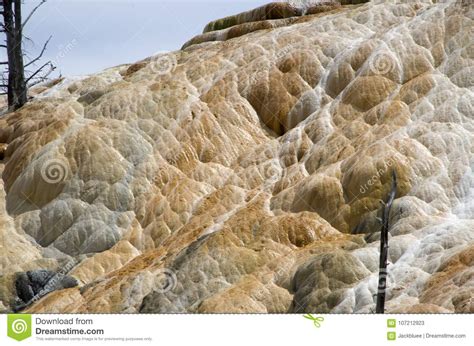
19 326
54 281
398 157
64 50
385 280
381 63
253 78
271 173
163 63
54 171
166 280
282 272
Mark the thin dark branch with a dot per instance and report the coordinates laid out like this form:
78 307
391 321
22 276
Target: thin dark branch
27 38
41 54
32 12
39 70
39 80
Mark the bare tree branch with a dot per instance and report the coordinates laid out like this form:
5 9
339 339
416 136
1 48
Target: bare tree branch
32 12
41 54
27 38
39 70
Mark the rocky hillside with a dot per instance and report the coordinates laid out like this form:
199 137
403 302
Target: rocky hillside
244 173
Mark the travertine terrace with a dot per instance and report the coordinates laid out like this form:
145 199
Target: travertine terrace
246 170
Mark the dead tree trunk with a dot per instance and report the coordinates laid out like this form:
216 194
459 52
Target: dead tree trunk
17 92
386 206
17 83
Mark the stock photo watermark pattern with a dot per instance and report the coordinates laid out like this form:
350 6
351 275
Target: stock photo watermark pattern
55 171
250 172
163 63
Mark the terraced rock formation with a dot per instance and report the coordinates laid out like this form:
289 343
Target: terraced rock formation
244 173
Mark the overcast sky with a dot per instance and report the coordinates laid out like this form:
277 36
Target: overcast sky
90 35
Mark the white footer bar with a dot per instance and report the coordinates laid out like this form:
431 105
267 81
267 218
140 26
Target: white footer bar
237 329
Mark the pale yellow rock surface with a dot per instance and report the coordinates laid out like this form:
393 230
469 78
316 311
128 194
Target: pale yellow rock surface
244 174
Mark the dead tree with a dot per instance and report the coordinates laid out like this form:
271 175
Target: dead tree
386 206
17 80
